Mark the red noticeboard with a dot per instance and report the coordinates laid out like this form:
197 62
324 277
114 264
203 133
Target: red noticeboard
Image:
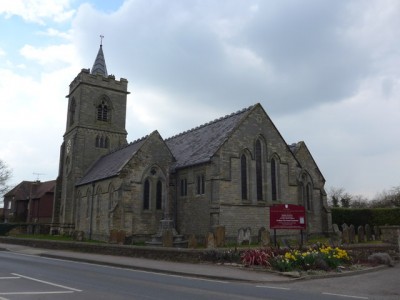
287 216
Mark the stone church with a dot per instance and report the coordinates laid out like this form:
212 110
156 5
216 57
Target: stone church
227 172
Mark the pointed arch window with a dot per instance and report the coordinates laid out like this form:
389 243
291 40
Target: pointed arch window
243 173
159 195
259 179
146 195
274 181
309 196
87 208
102 111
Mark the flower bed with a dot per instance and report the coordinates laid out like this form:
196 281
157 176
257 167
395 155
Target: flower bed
319 257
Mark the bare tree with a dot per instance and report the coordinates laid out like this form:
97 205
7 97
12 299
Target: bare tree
338 197
359 201
5 175
387 198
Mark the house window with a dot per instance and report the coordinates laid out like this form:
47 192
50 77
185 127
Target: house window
200 184
146 195
159 195
274 187
8 205
243 173
102 112
184 187
259 180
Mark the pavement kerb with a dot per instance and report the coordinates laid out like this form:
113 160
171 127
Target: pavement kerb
285 278
159 271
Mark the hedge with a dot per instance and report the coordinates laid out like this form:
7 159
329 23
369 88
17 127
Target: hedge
362 216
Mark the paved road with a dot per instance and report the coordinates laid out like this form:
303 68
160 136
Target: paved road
32 277
383 284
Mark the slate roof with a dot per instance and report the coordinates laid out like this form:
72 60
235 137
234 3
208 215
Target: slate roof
31 189
111 164
99 65
199 144
189 148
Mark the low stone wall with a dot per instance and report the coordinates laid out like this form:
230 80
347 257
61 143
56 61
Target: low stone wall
161 253
359 252
390 234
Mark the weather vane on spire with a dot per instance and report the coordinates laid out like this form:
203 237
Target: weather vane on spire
101 39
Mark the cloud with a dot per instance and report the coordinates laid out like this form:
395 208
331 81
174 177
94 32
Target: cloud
38 11
49 55
326 72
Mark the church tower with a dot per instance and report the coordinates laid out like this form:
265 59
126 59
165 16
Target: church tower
95 126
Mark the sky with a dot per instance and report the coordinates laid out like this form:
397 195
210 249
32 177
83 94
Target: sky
326 72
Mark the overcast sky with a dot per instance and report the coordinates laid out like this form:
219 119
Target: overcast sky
326 72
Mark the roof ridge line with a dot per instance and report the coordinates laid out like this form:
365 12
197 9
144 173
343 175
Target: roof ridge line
211 122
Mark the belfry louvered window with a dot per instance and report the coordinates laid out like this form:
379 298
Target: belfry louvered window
102 112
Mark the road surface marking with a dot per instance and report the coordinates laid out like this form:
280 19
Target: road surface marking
37 293
345 296
132 269
272 287
47 282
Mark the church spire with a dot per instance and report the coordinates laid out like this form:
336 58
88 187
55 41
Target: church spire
99 66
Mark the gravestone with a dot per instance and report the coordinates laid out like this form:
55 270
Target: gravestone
29 229
113 236
368 232
345 234
192 242
167 238
247 236
210 241
240 236
377 233
219 233
78 236
36 229
352 234
337 235
121 237
265 238
361 234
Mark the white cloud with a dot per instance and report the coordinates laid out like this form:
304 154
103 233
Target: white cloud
51 32
2 52
327 73
49 55
38 11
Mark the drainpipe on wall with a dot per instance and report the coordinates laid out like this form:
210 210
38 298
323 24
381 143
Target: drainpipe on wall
91 213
